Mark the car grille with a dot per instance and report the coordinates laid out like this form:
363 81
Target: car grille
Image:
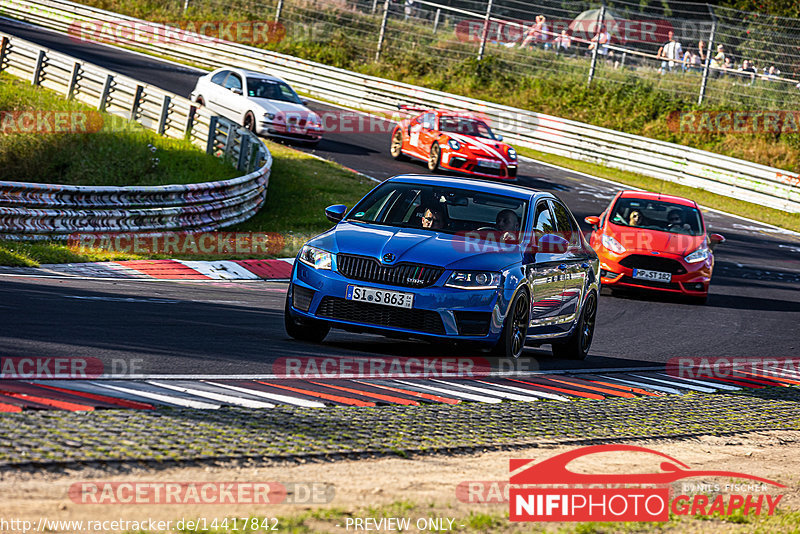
649 283
652 263
488 170
379 315
301 297
402 274
473 323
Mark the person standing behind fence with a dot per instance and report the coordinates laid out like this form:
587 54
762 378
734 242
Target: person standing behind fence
600 41
718 61
563 42
670 52
695 58
537 32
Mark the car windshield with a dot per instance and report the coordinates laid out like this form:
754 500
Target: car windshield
466 126
441 209
272 90
657 215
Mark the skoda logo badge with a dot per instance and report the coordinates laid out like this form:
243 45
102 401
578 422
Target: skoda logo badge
388 258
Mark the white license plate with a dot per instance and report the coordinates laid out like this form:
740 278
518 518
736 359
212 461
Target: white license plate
380 296
492 164
655 276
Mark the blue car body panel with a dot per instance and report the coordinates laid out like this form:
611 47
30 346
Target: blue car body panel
520 271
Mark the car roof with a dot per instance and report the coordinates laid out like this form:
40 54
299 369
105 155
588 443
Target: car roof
471 184
250 73
648 195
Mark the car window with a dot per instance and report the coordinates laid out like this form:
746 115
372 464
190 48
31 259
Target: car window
233 81
459 210
219 77
272 90
543 221
465 125
565 226
427 121
657 215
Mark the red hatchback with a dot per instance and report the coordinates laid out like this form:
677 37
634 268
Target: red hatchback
654 241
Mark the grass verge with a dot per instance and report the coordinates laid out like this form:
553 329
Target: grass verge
783 219
300 188
121 153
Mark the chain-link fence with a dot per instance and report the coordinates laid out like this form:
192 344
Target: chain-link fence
701 52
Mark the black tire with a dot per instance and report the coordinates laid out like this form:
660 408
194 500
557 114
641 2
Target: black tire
396 147
303 329
250 121
435 157
576 347
515 327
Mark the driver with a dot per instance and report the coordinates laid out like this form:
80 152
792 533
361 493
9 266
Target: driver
432 219
507 221
675 220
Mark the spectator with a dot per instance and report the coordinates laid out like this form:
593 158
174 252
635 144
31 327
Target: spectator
409 9
669 53
771 74
600 41
748 71
563 42
728 65
718 61
537 33
695 58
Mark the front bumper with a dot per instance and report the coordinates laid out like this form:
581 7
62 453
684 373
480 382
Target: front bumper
294 132
438 312
470 164
694 281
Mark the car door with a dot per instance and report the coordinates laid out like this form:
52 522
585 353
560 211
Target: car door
544 271
428 135
414 133
575 259
214 91
230 103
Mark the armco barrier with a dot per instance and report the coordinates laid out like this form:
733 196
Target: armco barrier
44 211
719 174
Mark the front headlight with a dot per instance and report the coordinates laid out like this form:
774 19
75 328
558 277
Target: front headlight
474 280
269 116
512 153
455 145
316 258
612 244
698 255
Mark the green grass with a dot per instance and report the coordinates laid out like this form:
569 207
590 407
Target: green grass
772 216
120 154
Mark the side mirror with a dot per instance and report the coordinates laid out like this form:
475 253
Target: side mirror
236 91
553 243
498 137
335 213
304 102
715 239
593 220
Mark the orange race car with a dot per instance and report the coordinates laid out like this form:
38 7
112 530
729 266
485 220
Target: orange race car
654 241
455 141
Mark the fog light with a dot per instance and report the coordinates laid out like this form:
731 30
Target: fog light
608 274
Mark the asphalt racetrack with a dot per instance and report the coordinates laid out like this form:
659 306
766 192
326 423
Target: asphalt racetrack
237 328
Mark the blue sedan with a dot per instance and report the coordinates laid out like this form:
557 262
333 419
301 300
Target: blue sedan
453 259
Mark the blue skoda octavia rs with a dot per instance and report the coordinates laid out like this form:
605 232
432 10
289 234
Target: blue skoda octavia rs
453 259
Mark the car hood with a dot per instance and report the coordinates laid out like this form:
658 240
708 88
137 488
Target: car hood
482 147
417 246
279 106
642 240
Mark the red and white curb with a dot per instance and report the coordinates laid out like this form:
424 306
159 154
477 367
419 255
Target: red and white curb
215 392
279 269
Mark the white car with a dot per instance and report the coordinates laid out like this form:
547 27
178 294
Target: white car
264 104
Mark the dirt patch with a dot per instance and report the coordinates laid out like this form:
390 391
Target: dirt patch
418 487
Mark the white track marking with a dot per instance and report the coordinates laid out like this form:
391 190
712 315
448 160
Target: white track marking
719 385
505 395
272 396
219 397
221 270
542 394
167 399
678 384
643 385
450 392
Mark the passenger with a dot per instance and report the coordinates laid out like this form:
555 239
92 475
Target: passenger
635 218
432 219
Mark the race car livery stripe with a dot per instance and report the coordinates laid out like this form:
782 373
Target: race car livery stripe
483 146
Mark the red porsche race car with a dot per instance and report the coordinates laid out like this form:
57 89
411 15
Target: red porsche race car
454 141
654 241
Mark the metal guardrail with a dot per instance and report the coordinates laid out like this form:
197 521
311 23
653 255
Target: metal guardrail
716 173
45 211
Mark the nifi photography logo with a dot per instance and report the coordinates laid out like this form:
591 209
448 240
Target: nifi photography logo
549 491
